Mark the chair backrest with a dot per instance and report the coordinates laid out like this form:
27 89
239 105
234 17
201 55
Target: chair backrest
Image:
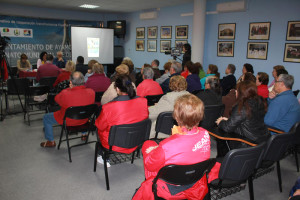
165 122
49 81
80 112
38 90
277 146
98 96
129 135
211 114
196 91
296 131
17 85
296 92
153 99
239 164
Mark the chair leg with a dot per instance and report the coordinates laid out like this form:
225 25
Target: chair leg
95 156
61 134
69 149
132 158
28 116
251 192
105 169
279 176
296 157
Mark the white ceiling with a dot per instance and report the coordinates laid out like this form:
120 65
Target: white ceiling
105 5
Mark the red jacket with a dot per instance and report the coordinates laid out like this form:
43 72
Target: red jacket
76 96
64 75
148 87
47 70
185 73
98 82
121 110
262 90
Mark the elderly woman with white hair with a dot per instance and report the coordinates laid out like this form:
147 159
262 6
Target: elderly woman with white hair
148 86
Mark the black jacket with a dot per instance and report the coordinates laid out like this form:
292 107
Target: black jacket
228 83
186 57
82 68
252 127
209 97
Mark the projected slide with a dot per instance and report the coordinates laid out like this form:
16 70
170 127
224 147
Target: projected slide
93 47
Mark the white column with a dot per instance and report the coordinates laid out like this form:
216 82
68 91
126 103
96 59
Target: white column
198 34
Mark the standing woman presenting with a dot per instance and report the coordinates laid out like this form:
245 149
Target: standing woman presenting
187 54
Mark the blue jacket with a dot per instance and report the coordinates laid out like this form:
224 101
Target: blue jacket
193 82
165 85
283 111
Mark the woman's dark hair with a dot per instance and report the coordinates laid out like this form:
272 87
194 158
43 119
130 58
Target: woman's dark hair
263 78
187 47
214 70
24 56
124 83
248 90
248 76
249 68
199 66
194 69
214 84
42 55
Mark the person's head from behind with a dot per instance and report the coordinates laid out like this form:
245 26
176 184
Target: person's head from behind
80 60
49 58
199 66
43 56
148 73
59 54
275 68
124 86
248 68
77 79
230 69
155 63
262 78
122 70
177 83
249 77
91 63
175 67
98 68
188 111
167 66
284 82
189 65
129 63
70 66
213 83
187 48
279 72
213 69
23 58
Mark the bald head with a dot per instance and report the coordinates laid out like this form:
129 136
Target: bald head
77 79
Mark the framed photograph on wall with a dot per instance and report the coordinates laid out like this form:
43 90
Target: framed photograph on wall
259 30
152 32
140 45
225 48
293 30
166 32
292 52
181 32
226 31
165 45
180 43
257 50
140 33
151 45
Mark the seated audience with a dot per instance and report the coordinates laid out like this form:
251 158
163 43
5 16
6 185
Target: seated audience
178 86
111 92
185 72
89 71
155 67
247 118
130 65
262 80
274 74
59 61
211 71
126 108
175 69
278 72
23 64
229 81
284 109
76 95
166 75
189 144
193 79
139 75
80 67
65 74
47 69
148 86
212 93
42 60
98 81
201 71
246 68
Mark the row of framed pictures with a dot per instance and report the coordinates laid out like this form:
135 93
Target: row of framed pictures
152 45
259 50
181 32
259 31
